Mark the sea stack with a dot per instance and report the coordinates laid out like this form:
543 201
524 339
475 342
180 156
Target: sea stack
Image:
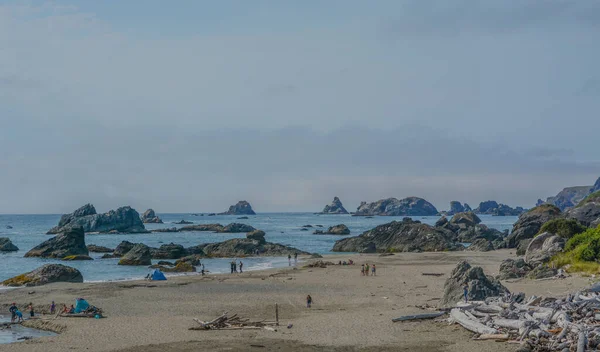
241 208
122 220
411 206
336 207
149 217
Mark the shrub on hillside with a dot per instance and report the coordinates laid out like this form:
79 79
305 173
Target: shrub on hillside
565 228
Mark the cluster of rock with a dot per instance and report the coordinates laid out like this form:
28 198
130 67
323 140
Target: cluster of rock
340 229
480 286
241 208
491 207
587 212
46 274
411 206
455 208
68 245
539 251
230 228
6 245
336 207
122 220
149 217
468 228
571 196
529 224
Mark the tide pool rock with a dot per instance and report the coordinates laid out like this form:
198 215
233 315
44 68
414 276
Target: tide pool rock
6 245
336 207
69 243
138 255
411 206
241 208
46 274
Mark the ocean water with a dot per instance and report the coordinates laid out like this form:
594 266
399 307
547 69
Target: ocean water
285 228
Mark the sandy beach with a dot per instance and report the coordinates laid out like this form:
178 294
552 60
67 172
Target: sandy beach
350 312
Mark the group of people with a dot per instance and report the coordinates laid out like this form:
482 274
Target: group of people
234 266
364 270
16 316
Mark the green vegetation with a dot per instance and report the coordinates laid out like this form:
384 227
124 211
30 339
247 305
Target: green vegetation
565 228
582 253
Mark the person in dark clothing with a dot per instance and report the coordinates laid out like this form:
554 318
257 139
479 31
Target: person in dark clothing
13 312
231 265
308 301
241 266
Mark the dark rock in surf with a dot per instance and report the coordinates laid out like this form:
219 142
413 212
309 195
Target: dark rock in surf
340 229
69 243
6 245
149 217
122 220
46 274
138 255
99 249
241 208
336 207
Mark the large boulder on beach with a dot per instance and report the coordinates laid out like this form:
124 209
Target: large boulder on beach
257 235
400 236
411 206
168 251
46 274
465 219
6 245
138 255
237 228
69 243
336 207
480 285
122 220
481 245
542 247
241 208
529 223
587 212
149 217
513 269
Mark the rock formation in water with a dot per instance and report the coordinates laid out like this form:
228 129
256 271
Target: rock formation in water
99 249
245 247
491 207
530 223
411 206
183 222
231 228
6 245
468 229
71 242
400 236
46 274
587 212
138 255
480 285
335 207
456 207
149 217
122 220
168 251
257 235
241 208
340 229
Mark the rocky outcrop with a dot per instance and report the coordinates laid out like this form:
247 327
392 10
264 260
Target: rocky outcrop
244 247
481 245
149 217
237 228
46 274
71 242
183 222
193 260
491 207
411 206
570 197
202 227
587 212
340 229
168 251
336 207
257 235
122 220
6 245
123 248
513 269
399 236
181 267
99 249
166 230
480 286
529 223
456 207
241 208
542 247
138 255
468 228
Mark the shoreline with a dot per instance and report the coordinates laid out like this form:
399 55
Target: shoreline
349 312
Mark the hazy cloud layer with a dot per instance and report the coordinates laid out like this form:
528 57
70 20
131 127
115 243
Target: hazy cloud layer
287 106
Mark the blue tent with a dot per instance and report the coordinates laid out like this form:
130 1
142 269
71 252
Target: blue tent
81 305
157 275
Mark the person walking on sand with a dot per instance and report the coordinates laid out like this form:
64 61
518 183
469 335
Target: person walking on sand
308 301
31 312
373 271
13 312
289 259
296 258
52 308
466 291
367 269
241 266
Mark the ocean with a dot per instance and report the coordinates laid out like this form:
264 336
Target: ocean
285 228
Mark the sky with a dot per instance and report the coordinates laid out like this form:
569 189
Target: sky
191 106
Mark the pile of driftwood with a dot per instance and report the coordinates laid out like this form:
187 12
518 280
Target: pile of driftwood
570 323
233 322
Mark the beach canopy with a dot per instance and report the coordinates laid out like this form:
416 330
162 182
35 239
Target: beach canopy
81 305
157 275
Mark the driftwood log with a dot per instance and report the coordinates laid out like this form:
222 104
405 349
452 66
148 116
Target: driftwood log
419 316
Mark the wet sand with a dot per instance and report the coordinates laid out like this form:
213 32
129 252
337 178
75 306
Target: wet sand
350 312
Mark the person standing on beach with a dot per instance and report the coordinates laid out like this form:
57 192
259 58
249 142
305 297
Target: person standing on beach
13 312
466 291
231 265
234 266
31 312
367 269
289 259
373 271
241 266
52 308
362 270
296 258
308 301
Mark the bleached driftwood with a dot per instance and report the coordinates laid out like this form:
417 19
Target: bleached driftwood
493 337
419 316
472 325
